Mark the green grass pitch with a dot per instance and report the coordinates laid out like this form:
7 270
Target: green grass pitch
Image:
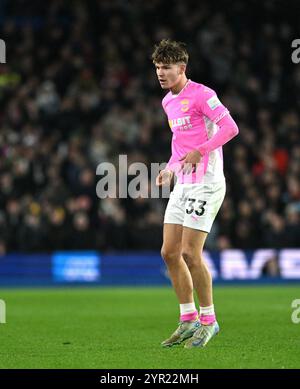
106 328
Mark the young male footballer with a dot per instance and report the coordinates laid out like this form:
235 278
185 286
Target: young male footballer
201 125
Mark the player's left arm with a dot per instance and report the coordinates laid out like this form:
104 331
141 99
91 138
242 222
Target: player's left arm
228 129
213 109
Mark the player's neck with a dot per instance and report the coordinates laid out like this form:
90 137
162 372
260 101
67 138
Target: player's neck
178 87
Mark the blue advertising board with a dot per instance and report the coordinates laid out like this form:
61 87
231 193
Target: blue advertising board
144 268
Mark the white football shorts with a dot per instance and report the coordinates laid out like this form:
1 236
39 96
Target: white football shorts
195 205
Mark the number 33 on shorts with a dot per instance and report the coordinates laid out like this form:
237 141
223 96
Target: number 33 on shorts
196 206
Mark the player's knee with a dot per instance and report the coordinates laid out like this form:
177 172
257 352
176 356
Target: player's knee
169 256
191 258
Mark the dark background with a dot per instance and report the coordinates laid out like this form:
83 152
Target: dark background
79 88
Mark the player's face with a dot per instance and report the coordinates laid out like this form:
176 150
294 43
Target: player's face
169 74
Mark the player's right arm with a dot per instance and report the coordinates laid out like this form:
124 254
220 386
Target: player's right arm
164 178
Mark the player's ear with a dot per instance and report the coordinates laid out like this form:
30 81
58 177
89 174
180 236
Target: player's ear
182 68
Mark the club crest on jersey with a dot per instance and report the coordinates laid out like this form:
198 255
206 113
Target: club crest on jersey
184 105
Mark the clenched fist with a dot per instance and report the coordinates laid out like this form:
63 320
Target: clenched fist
164 178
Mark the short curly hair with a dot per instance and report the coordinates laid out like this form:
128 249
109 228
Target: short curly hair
170 52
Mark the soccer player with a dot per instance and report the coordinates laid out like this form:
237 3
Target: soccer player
201 125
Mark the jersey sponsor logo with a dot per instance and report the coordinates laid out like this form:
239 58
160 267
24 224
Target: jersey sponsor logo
184 122
184 105
213 103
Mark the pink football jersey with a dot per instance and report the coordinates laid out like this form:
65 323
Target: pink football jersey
193 115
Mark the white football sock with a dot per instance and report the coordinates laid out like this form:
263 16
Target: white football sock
207 310
187 308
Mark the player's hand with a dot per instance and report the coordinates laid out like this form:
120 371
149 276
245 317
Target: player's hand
164 178
190 161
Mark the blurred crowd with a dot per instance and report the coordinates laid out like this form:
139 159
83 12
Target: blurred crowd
79 88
